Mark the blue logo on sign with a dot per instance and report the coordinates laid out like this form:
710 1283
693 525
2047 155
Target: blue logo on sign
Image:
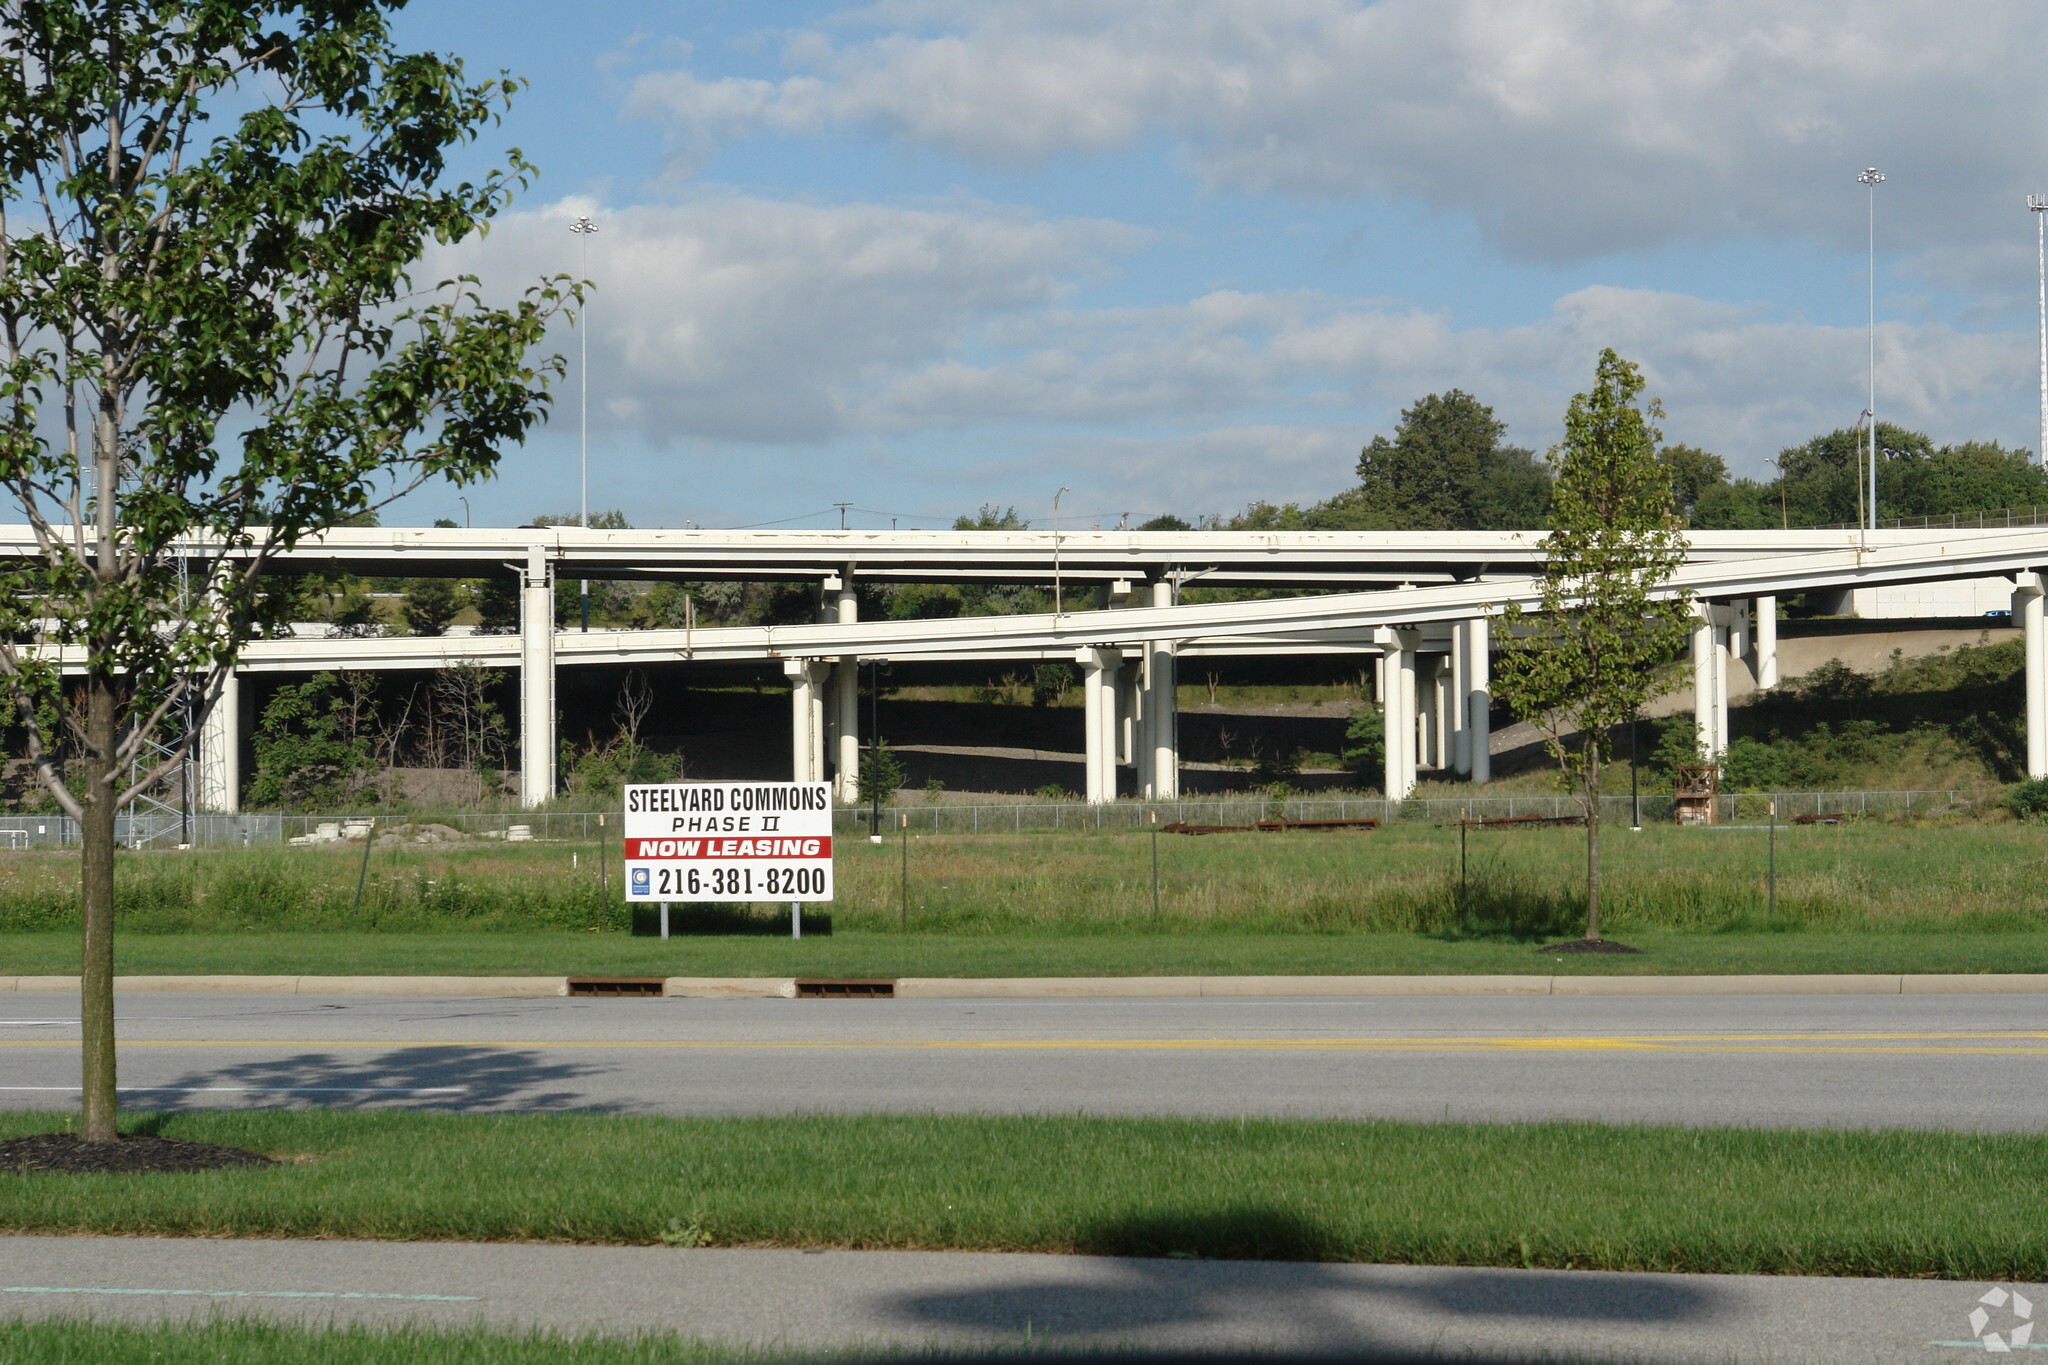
642 879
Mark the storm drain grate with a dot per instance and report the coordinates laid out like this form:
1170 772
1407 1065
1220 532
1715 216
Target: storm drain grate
846 988
615 985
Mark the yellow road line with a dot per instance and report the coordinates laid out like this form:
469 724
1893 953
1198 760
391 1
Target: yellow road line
1988 1044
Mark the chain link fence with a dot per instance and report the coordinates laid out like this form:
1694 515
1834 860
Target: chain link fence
272 831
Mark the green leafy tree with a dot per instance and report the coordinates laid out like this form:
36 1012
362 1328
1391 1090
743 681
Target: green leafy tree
308 755
1422 479
1365 741
880 776
1168 522
210 346
431 603
1694 474
1587 660
496 599
991 517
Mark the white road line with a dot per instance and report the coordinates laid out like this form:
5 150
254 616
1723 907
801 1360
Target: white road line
240 1293
268 1089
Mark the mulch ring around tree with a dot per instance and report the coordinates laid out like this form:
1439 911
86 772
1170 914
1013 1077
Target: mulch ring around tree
1588 945
133 1153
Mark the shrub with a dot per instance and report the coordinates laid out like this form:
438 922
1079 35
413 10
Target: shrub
2029 799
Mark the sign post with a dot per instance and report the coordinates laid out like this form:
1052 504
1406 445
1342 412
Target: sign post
729 841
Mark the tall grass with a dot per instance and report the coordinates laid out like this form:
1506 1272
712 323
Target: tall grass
1518 884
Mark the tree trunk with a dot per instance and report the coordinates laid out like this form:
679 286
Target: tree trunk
96 906
1592 790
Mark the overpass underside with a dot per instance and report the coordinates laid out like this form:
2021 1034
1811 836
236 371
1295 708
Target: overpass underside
1422 604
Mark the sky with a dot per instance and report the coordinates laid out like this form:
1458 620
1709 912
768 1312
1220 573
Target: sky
1176 255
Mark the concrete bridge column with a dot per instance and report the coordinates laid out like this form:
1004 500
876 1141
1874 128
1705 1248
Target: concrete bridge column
1710 678
1477 699
1161 774
844 710
536 679
1443 715
1398 708
1127 683
807 717
1461 730
1099 668
220 750
1766 641
2029 604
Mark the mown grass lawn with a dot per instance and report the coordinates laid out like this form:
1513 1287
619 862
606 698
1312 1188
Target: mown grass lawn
1582 1195
234 1341
1169 951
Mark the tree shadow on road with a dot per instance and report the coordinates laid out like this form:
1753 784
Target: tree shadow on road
454 1078
1171 1273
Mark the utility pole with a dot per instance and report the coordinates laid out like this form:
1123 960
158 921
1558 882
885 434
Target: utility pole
842 506
1056 605
1871 179
2040 205
584 228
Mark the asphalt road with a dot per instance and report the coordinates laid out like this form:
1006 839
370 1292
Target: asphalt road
1961 1062
799 1300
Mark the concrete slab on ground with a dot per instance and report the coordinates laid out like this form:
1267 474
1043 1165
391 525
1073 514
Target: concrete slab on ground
834 1299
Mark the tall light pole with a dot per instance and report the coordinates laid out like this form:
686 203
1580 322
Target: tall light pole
1871 179
1064 490
583 228
2040 206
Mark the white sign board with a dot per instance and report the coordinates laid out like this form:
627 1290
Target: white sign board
729 841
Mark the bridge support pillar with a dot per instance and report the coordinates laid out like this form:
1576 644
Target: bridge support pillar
2029 604
1099 668
1398 709
1476 698
807 717
1443 715
220 750
1710 678
536 679
845 706
1159 713
1765 637
1461 730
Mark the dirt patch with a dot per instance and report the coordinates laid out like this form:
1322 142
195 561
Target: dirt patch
1588 945
134 1153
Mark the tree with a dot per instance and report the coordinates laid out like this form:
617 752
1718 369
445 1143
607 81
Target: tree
1422 480
880 776
1694 474
311 754
210 347
991 517
431 603
1588 658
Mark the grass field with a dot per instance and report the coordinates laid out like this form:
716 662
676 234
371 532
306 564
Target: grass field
1581 1195
1521 884
231 1341
1141 952
1872 898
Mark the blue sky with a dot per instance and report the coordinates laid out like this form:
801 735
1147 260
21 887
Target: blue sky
1179 254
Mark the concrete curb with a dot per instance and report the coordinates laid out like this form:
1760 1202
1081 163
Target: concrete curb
1091 987
311 985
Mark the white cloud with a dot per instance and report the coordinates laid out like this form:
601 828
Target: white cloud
1735 379
732 324
750 319
1566 128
